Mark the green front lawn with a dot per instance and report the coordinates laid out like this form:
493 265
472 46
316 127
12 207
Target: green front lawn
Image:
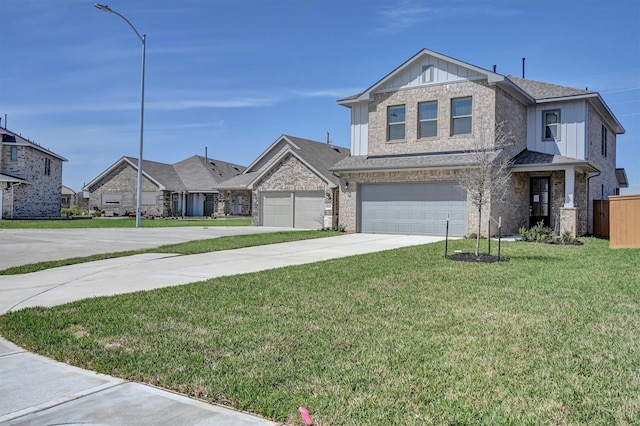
401 337
121 223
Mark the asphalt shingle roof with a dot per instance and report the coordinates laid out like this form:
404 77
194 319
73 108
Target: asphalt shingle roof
437 160
321 156
193 174
533 158
540 90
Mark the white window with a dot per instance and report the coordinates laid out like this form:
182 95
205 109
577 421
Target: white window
551 123
428 119
395 122
427 73
461 113
14 153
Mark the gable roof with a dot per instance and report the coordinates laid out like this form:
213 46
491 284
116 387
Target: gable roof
530 92
492 77
547 92
7 137
318 156
194 174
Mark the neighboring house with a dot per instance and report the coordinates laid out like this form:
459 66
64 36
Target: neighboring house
291 185
186 188
30 178
67 197
415 129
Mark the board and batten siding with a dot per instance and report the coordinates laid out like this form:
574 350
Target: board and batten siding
360 129
443 72
573 119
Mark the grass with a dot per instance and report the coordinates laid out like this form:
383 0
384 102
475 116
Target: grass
120 223
191 247
399 337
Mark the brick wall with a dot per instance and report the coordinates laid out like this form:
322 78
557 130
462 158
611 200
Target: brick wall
605 184
483 113
124 181
289 174
39 198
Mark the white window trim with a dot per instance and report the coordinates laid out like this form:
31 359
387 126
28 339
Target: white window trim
424 120
453 118
403 123
557 125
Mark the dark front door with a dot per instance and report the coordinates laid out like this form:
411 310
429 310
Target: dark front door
539 203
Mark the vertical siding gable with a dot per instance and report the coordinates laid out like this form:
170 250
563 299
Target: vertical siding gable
443 72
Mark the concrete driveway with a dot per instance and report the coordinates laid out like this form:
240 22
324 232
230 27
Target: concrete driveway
24 246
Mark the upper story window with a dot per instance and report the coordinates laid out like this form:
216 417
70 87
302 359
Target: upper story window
603 144
395 122
428 119
47 166
427 73
551 123
14 153
461 112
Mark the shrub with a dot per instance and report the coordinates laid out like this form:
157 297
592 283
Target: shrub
537 233
74 210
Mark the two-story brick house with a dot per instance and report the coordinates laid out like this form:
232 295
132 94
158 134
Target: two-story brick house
30 178
413 131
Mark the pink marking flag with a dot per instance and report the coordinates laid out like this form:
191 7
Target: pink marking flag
305 415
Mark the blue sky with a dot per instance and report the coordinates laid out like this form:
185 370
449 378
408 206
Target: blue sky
233 75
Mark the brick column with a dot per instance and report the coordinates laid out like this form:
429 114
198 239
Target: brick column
569 220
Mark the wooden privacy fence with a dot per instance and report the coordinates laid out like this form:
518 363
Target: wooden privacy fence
624 221
601 218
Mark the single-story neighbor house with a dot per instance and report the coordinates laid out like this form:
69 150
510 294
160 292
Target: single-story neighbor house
417 128
186 188
290 184
30 178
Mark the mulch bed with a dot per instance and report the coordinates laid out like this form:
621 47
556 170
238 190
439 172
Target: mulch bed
481 258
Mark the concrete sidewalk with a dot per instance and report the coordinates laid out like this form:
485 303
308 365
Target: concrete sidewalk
38 391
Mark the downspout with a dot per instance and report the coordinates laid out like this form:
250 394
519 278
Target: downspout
588 202
12 196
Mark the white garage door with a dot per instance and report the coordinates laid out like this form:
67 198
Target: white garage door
298 209
413 208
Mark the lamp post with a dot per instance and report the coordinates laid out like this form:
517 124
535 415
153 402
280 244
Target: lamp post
143 39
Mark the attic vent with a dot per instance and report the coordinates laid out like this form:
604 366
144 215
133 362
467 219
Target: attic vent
237 169
336 150
8 138
427 73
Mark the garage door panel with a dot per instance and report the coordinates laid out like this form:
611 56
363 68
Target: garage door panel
277 209
299 209
420 208
309 209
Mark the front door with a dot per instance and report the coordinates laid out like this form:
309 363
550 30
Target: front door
539 203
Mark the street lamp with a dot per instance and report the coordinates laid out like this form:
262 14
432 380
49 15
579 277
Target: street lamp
143 39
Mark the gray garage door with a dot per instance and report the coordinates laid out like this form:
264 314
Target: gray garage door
298 209
413 208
